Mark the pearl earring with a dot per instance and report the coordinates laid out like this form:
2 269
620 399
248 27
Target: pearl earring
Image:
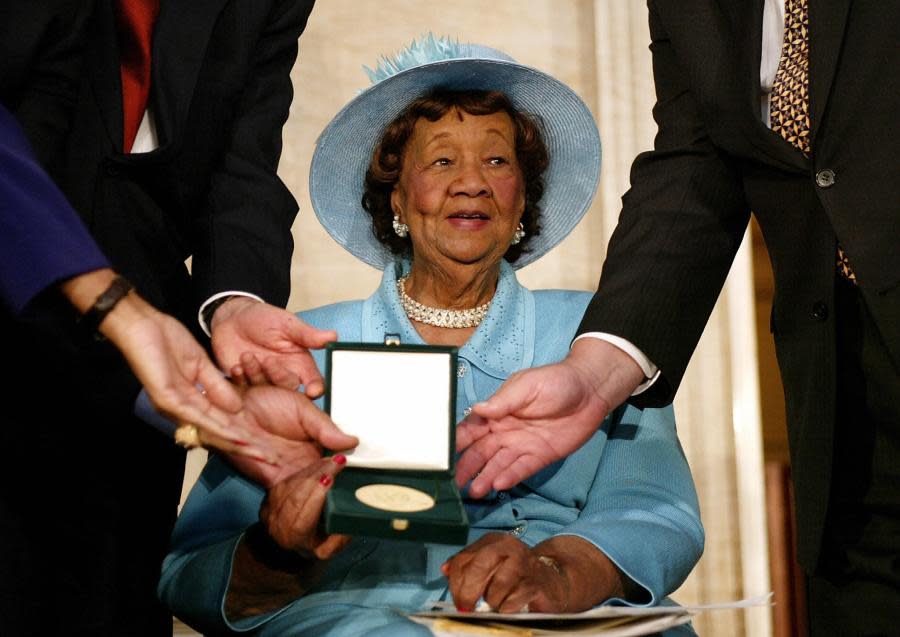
401 229
519 235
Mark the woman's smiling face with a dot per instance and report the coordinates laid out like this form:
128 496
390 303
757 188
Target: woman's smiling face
461 191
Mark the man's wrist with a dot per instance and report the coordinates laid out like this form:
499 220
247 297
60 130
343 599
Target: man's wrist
229 308
650 370
209 310
586 352
611 373
210 313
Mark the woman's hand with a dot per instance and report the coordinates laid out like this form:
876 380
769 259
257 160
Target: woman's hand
507 574
279 561
562 574
288 426
293 507
180 380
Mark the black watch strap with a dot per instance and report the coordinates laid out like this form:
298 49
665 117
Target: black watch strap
117 290
211 308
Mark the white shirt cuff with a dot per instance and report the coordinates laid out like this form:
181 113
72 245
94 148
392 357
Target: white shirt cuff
216 297
651 371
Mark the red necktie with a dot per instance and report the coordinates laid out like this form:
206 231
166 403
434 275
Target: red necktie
134 19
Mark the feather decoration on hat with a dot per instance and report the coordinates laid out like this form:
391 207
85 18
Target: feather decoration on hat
427 49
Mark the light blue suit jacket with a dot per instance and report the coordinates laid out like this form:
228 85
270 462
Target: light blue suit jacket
628 490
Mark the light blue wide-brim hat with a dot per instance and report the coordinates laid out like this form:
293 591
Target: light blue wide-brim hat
345 147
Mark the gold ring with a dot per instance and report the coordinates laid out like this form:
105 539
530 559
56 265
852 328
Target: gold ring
188 436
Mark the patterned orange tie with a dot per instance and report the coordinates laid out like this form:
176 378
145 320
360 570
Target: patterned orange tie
135 19
789 103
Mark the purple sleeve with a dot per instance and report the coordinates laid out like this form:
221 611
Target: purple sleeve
42 239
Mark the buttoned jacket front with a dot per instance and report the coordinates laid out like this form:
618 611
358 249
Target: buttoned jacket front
714 161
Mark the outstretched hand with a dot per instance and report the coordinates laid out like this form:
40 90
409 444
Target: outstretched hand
290 428
274 336
541 415
180 380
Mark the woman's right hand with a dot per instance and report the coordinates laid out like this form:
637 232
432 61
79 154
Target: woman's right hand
293 508
264 577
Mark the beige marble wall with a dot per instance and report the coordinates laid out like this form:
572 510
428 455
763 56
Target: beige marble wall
598 47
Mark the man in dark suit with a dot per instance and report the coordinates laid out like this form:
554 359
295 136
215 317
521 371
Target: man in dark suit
82 549
44 247
745 124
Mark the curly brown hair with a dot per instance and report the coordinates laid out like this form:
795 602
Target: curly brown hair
387 160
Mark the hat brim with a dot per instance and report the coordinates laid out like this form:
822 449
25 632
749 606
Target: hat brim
345 148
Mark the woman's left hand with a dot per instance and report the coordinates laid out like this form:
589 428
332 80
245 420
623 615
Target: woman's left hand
509 576
291 428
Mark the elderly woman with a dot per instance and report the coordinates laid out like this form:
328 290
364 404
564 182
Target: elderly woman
467 165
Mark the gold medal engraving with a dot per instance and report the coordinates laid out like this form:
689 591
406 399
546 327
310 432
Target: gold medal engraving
394 497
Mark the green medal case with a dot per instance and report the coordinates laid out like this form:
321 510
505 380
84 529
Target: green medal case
399 400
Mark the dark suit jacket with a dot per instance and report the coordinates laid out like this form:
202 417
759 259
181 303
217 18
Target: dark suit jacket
40 63
220 93
714 162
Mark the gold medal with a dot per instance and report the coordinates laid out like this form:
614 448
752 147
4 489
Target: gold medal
394 497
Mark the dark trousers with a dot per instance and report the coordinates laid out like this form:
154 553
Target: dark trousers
81 546
856 589
88 495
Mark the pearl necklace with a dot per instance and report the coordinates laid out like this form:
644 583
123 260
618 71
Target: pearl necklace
440 317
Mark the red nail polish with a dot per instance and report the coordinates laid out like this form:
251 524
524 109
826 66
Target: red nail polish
325 481
463 610
340 459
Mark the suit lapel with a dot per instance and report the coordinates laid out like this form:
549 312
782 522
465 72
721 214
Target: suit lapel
827 21
745 23
103 58
179 48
